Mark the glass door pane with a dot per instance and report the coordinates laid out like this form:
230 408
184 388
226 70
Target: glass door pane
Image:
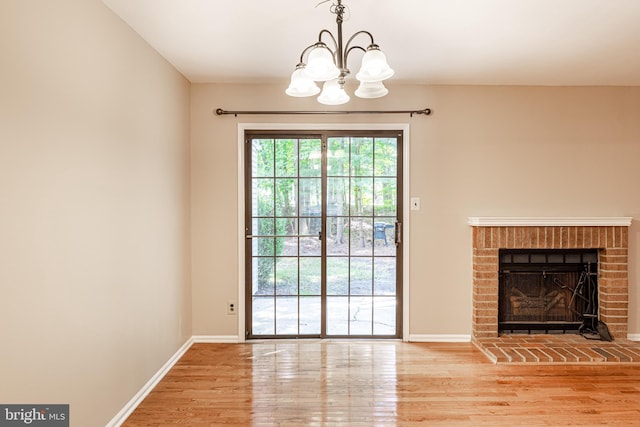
286 201
362 202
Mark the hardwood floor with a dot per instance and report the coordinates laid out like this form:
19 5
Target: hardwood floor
383 383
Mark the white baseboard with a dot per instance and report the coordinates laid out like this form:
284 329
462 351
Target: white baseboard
633 337
124 413
439 338
216 339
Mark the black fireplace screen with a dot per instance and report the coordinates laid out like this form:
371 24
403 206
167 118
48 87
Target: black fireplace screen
543 290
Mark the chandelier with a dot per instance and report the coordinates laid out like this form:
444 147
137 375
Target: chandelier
328 64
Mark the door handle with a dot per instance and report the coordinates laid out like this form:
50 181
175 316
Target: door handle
398 233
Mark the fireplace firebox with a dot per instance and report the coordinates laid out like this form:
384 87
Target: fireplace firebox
547 290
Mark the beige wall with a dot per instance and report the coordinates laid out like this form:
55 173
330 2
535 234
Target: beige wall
485 151
94 208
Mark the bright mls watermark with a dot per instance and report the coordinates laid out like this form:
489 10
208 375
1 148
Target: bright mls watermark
34 415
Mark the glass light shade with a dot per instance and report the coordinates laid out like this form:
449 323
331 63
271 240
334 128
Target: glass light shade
333 94
371 90
320 65
301 84
374 66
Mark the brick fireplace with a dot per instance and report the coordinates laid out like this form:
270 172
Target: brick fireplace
608 235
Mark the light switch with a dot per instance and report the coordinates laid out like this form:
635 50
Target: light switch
415 203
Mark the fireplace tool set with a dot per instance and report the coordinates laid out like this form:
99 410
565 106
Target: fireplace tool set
586 293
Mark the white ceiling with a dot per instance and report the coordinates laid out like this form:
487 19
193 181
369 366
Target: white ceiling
494 42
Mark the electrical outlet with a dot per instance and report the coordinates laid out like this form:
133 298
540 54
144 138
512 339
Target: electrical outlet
231 307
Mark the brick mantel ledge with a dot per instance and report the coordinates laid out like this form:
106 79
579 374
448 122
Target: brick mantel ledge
506 221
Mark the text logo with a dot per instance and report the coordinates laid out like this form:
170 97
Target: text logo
34 415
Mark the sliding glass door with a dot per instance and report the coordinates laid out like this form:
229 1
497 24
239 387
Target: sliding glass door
323 251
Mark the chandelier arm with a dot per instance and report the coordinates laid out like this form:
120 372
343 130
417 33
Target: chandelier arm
357 34
333 39
304 52
349 49
346 53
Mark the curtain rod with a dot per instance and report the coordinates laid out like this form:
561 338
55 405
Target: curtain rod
426 112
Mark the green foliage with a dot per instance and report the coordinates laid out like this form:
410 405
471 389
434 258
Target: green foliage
361 178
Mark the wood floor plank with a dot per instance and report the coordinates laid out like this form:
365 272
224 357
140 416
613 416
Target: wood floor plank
382 383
